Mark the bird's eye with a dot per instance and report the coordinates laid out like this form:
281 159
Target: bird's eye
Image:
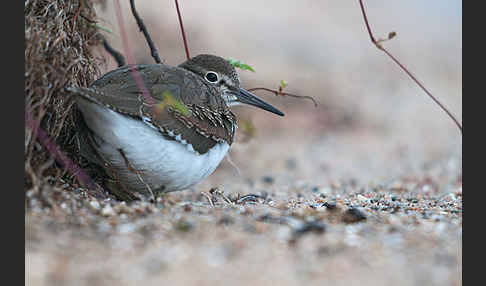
211 77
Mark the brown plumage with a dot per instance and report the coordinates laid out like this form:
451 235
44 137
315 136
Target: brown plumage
210 121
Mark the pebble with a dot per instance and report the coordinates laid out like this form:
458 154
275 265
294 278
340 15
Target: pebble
108 211
268 179
362 198
94 205
353 215
330 205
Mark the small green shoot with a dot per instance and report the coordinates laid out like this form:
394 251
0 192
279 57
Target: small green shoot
240 65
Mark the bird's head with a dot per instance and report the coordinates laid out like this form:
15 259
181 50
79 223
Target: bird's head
222 74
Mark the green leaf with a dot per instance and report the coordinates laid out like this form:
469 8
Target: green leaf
283 83
240 65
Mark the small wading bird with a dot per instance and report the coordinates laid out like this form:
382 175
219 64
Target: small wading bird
169 139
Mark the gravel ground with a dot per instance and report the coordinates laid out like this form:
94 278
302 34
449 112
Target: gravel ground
272 228
365 189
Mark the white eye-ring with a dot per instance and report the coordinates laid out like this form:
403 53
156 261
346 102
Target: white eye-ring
211 76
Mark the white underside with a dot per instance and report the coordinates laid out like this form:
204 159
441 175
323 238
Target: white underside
160 162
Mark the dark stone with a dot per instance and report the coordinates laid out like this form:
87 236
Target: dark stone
268 179
313 226
226 220
330 205
184 226
307 227
353 215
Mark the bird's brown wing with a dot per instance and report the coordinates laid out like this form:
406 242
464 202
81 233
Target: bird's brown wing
178 103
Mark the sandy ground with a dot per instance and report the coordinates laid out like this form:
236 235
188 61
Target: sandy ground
365 189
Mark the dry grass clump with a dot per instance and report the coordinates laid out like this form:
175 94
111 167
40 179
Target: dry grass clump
59 36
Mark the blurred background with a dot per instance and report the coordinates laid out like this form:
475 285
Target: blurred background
372 122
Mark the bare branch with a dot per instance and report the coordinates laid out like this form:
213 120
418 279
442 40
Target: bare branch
379 46
279 92
143 29
119 58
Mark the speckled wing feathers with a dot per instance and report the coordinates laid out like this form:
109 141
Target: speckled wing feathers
209 121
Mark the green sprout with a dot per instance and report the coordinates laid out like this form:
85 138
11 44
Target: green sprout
240 65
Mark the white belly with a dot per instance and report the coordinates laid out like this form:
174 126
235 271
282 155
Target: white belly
160 162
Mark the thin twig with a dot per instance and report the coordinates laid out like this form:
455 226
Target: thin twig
220 192
182 30
128 52
143 29
380 47
248 197
75 19
209 197
279 92
119 58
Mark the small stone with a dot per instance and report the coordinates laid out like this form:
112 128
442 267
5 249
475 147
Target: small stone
183 226
95 205
268 179
187 208
226 220
107 211
313 226
330 205
305 228
353 215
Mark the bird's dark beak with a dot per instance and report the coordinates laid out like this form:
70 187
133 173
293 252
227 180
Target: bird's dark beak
247 97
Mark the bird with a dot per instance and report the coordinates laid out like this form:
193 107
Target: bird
156 128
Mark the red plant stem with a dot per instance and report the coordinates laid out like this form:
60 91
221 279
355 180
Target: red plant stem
182 30
424 89
60 157
128 52
379 46
366 22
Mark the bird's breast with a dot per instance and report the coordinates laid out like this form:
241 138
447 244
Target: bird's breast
173 164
